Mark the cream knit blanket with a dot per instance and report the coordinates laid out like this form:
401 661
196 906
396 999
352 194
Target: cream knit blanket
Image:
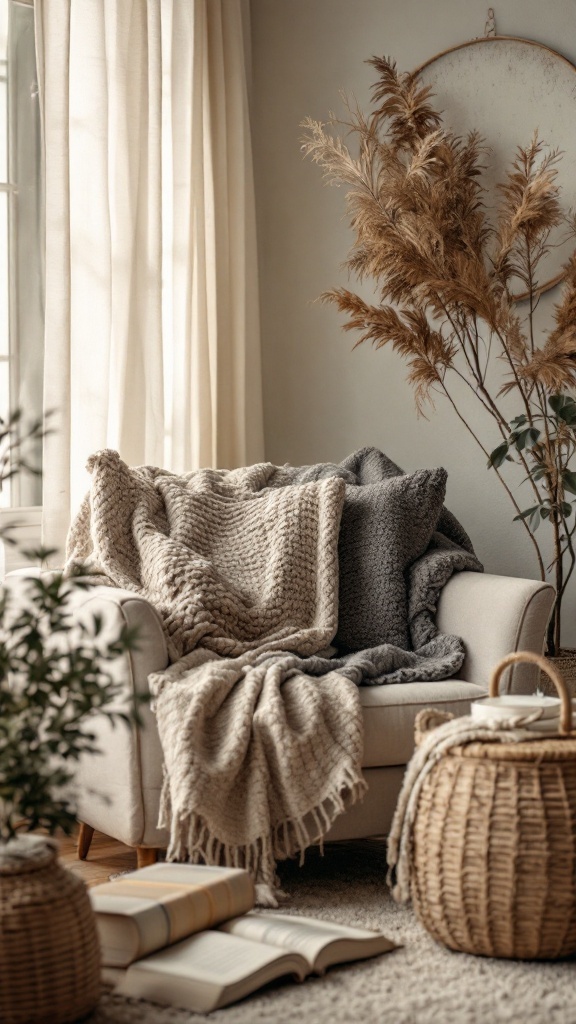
259 757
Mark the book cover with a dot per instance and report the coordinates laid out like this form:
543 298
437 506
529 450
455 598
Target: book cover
159 905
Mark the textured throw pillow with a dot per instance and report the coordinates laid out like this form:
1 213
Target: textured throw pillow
385 527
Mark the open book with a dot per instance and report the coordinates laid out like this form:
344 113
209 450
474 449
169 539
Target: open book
161 904
214 968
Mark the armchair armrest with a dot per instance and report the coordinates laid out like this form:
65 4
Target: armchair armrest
117 790
123 608
117 608
495 615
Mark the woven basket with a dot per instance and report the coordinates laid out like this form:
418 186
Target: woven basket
494 854
49 951
565 663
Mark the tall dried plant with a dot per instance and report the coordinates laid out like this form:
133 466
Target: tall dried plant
445 274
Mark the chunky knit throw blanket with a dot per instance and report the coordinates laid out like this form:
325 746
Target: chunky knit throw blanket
259 717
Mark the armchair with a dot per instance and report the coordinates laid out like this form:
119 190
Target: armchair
119 789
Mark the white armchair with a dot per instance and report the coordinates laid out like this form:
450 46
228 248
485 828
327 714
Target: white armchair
118 790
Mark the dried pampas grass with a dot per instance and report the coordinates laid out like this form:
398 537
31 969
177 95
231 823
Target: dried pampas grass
445 275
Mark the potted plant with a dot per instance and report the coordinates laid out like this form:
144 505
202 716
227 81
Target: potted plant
54 677
445 274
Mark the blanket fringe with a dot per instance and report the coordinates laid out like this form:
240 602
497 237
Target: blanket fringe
269 897
192 839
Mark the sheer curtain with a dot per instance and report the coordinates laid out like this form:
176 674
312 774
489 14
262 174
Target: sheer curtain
152 335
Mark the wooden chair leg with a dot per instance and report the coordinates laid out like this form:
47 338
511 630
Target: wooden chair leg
84 839
146 855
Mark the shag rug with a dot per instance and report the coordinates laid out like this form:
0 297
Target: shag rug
421 983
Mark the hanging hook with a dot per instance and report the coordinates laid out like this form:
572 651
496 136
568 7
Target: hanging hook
490 26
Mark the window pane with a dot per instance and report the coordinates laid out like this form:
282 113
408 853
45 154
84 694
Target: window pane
3 89
4 293
3 123
25 235
5 493
3 28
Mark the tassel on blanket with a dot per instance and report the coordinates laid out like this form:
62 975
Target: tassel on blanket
192 839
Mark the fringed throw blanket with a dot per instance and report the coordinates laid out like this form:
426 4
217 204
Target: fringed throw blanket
258 756
259 717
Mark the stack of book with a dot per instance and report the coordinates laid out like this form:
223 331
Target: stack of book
189 936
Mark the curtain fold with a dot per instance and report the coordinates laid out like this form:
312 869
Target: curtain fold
152 334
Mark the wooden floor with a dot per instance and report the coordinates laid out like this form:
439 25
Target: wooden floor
106 857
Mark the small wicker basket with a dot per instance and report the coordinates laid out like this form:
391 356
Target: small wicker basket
49 951
494 854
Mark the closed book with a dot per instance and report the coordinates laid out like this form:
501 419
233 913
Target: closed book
159 905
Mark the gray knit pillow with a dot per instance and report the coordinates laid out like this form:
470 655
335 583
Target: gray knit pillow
385 527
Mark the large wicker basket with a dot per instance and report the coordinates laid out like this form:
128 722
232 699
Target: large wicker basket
494 854
49 951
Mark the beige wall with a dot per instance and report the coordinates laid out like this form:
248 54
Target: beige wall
321 399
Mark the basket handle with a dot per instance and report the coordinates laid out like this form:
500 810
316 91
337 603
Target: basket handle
551 672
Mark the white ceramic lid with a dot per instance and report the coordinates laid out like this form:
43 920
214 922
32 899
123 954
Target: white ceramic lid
514 704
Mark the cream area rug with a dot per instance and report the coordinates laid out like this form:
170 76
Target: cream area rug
421 983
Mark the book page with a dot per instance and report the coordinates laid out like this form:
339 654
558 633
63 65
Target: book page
207 970
211 956
309 937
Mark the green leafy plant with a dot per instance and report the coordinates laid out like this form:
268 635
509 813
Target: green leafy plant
547 443
16 437
448 273
56 675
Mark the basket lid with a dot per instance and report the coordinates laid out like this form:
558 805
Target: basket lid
27 853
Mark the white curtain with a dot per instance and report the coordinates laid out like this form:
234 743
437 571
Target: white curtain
152 335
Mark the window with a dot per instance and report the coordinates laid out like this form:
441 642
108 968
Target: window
21 243
21 263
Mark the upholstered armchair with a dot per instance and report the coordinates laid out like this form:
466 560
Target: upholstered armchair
118 789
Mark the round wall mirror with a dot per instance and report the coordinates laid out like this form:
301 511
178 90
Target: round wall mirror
505 88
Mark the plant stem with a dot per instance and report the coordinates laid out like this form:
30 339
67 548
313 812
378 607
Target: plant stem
559 588
530 291
501 478
482 393
461 333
